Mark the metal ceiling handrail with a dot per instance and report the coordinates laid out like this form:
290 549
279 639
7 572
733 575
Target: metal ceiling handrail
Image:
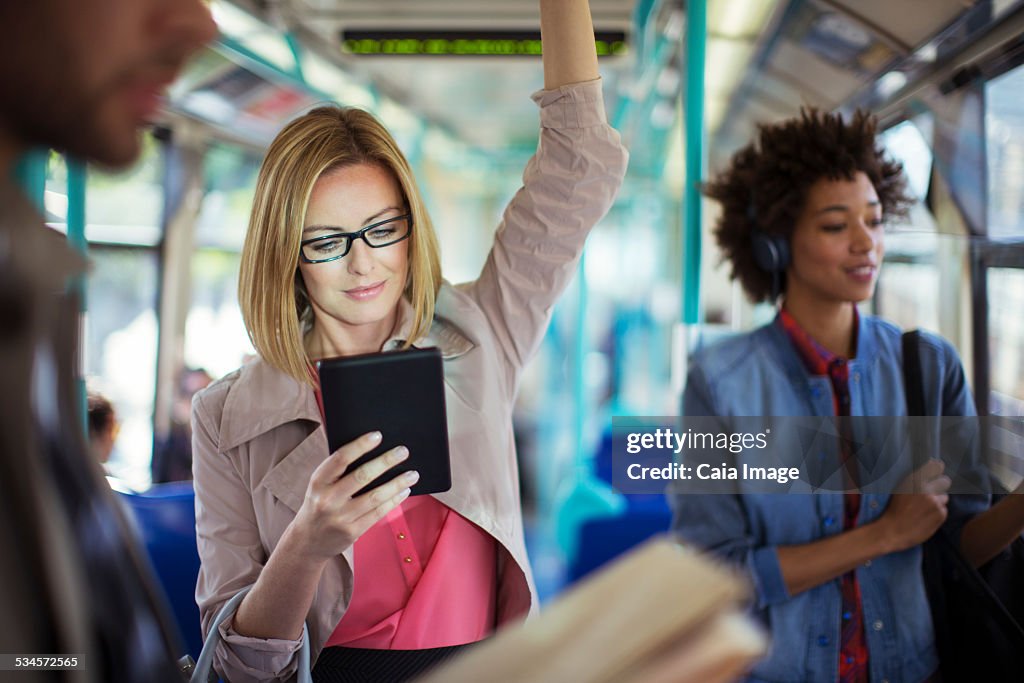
524 12
979 49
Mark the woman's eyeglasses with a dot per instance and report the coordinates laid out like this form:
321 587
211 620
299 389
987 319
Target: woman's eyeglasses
335 246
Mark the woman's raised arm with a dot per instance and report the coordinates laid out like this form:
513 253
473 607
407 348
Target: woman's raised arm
568 186
567 37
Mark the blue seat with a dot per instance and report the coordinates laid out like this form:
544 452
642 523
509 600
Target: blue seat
602 540
165 519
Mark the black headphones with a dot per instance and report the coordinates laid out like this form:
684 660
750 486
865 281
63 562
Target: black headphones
771 252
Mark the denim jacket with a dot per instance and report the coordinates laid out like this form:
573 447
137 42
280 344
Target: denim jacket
760 373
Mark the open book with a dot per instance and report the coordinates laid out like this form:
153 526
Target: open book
661 613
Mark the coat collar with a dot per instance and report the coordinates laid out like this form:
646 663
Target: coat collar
777 342
264 397
443 334
261 399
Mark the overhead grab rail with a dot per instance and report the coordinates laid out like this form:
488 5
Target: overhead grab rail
979 49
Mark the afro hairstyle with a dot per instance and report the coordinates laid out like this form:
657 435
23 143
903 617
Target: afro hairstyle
766 183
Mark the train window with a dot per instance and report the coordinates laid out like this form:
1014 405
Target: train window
126 207
215 337
121 343
1004 124
55 196
1006 340
906 142
1005 148
910 282
123 216
908 294
229 175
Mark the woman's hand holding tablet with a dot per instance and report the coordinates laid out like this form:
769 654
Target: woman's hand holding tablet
332 516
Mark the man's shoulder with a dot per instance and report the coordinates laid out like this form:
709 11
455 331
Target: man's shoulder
28 247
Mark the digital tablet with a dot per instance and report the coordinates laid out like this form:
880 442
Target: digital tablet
401 395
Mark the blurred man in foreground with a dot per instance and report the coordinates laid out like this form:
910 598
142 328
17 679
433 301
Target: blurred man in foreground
80 76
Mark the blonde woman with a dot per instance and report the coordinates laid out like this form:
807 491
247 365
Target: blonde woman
341 258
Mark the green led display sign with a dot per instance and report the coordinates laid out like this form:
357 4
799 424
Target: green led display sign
391 42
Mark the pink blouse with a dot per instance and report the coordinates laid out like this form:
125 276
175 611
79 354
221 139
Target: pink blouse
425 577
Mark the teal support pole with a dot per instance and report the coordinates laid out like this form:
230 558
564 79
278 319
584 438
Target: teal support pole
30 173
293 45
643 13
696 45
270 70
76 237
76 206
583 496
579 394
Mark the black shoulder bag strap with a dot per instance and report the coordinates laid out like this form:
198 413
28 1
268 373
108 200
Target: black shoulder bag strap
913 382
976 637
933 550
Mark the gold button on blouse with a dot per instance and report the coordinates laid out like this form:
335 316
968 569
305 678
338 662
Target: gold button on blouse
401 537
408 559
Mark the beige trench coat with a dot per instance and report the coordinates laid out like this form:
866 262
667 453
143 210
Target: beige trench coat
258 434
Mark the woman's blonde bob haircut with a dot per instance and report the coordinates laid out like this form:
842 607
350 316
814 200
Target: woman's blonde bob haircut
273 299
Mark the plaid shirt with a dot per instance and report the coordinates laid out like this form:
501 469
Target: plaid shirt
853 652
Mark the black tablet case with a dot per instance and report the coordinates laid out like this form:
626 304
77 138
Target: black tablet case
401 395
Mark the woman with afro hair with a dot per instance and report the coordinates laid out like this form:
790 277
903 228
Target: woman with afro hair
837 576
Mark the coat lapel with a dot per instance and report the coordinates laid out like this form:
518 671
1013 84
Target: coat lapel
288 479
262 399
445 335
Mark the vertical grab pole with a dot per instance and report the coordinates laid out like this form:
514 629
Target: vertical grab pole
76 237
579 394
582 497
30 173
696 43
684 334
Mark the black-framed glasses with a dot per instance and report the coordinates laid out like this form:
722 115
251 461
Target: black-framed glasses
334 246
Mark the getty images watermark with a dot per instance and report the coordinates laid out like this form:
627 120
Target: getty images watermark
808 454
662 439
